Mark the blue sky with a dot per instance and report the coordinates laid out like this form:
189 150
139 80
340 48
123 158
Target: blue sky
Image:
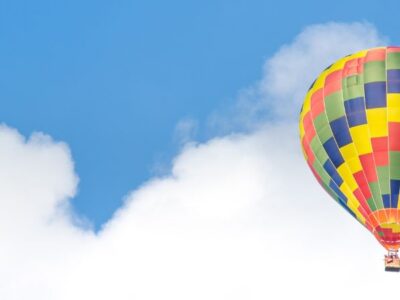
113 79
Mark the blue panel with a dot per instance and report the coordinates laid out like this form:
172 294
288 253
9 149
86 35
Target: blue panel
386 200
333 152
354 105
357 119
394 199
341 131
338 192
355 111
394 189
375 94
332 172
393 81
394 86
393 75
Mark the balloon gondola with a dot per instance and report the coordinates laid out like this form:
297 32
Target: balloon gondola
392 262
350 136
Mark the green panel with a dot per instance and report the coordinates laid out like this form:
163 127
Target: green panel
334 106
352 92
393 60
315 144
325 133
394 157
350 81
376 193
383 177
321 172
321 155
320 121
371 204
374 71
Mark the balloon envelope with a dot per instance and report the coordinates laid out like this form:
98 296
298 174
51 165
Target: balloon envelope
350 136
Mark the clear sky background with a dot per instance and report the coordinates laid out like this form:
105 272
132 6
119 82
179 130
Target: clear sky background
113 79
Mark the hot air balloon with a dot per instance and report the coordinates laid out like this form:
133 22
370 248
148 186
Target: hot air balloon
350 137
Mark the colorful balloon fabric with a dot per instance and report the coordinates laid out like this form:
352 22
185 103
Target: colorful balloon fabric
350 136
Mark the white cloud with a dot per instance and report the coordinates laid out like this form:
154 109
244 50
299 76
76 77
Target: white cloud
238 217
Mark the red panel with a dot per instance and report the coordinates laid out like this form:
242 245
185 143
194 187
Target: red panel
308 150
333 82
379 144
309 129
394 136
314 172
373 220
376 55
367 162
388 236
317 103
360 197
393 49
362 184
369 227
353 67
381 159
380 148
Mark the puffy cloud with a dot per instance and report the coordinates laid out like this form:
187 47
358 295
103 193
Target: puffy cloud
237 217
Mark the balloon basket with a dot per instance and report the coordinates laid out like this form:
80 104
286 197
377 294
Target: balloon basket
392 262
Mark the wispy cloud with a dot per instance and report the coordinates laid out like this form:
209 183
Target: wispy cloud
237 217
185 130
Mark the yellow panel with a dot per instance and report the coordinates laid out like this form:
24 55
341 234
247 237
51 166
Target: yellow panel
394 115
347 176
360 136
351 199
345 190
307 104
354 165
348 152
394 105
376 115
353 203
394 226
377 122
302 117
379 129
301 127
393 100
350 155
